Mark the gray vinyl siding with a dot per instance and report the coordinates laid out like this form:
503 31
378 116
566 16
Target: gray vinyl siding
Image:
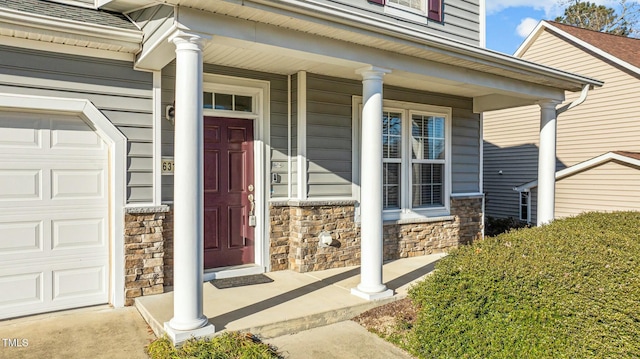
461 20
329 135
278 118
122 94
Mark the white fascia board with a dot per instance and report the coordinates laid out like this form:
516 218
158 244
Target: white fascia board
590 47
502 101
418 38
129 40
530 39
582 166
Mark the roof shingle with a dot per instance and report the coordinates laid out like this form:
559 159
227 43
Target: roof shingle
69 12
625 48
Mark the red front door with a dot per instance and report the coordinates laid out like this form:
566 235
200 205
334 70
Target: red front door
228 186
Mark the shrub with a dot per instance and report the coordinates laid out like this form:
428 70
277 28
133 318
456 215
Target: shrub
570 289
230 345
494 225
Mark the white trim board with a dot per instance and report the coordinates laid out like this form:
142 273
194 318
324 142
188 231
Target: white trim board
117 144
582 166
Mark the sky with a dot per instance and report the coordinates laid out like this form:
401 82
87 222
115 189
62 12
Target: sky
509 22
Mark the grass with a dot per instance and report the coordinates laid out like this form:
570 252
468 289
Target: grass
570 289
230 345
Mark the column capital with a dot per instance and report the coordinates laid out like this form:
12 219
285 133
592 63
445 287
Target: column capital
548 104
188 40
372 72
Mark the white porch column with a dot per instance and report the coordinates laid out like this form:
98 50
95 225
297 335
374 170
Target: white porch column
188 319
547 162
371 244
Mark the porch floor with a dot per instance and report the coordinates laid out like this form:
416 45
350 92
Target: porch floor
292 302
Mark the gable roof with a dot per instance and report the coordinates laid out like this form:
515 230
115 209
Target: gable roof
618 49
622 47
631 158
68 12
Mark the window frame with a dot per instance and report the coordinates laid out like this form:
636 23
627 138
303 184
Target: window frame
407 109
527 205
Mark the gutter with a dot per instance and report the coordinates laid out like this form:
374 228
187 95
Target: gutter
129 40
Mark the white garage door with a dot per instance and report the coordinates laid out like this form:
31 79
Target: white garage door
53 214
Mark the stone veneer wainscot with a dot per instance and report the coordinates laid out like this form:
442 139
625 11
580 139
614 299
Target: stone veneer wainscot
296 225
144 251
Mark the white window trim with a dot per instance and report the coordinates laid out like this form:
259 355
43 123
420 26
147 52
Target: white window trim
408 108
528 219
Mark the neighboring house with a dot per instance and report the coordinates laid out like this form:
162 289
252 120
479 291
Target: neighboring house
597 141
144 143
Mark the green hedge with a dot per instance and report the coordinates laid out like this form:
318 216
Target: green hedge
570 289
229 345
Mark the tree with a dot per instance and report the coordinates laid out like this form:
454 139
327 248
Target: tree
588 15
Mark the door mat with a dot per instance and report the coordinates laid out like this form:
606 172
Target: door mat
240 281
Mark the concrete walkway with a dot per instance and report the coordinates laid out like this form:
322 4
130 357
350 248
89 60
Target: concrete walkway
293 302
96 332
344 340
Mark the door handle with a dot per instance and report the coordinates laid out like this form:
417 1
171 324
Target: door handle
252 217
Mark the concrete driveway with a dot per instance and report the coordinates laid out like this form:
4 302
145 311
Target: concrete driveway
96 332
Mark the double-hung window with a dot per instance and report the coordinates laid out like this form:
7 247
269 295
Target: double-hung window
416 158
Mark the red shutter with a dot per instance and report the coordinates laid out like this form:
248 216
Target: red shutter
435 10
379 2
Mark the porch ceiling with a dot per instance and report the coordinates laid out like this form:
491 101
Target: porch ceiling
234 53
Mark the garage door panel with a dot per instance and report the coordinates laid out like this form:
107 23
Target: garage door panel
73 184
77 233
24 184
74 134
21 289
20 133
21 237
78 283
54 205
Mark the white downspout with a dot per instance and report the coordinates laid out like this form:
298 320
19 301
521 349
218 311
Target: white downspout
577 102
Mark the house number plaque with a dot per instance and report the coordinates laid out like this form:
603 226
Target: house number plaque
168 166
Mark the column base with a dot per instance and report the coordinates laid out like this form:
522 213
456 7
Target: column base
372 296
180 336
